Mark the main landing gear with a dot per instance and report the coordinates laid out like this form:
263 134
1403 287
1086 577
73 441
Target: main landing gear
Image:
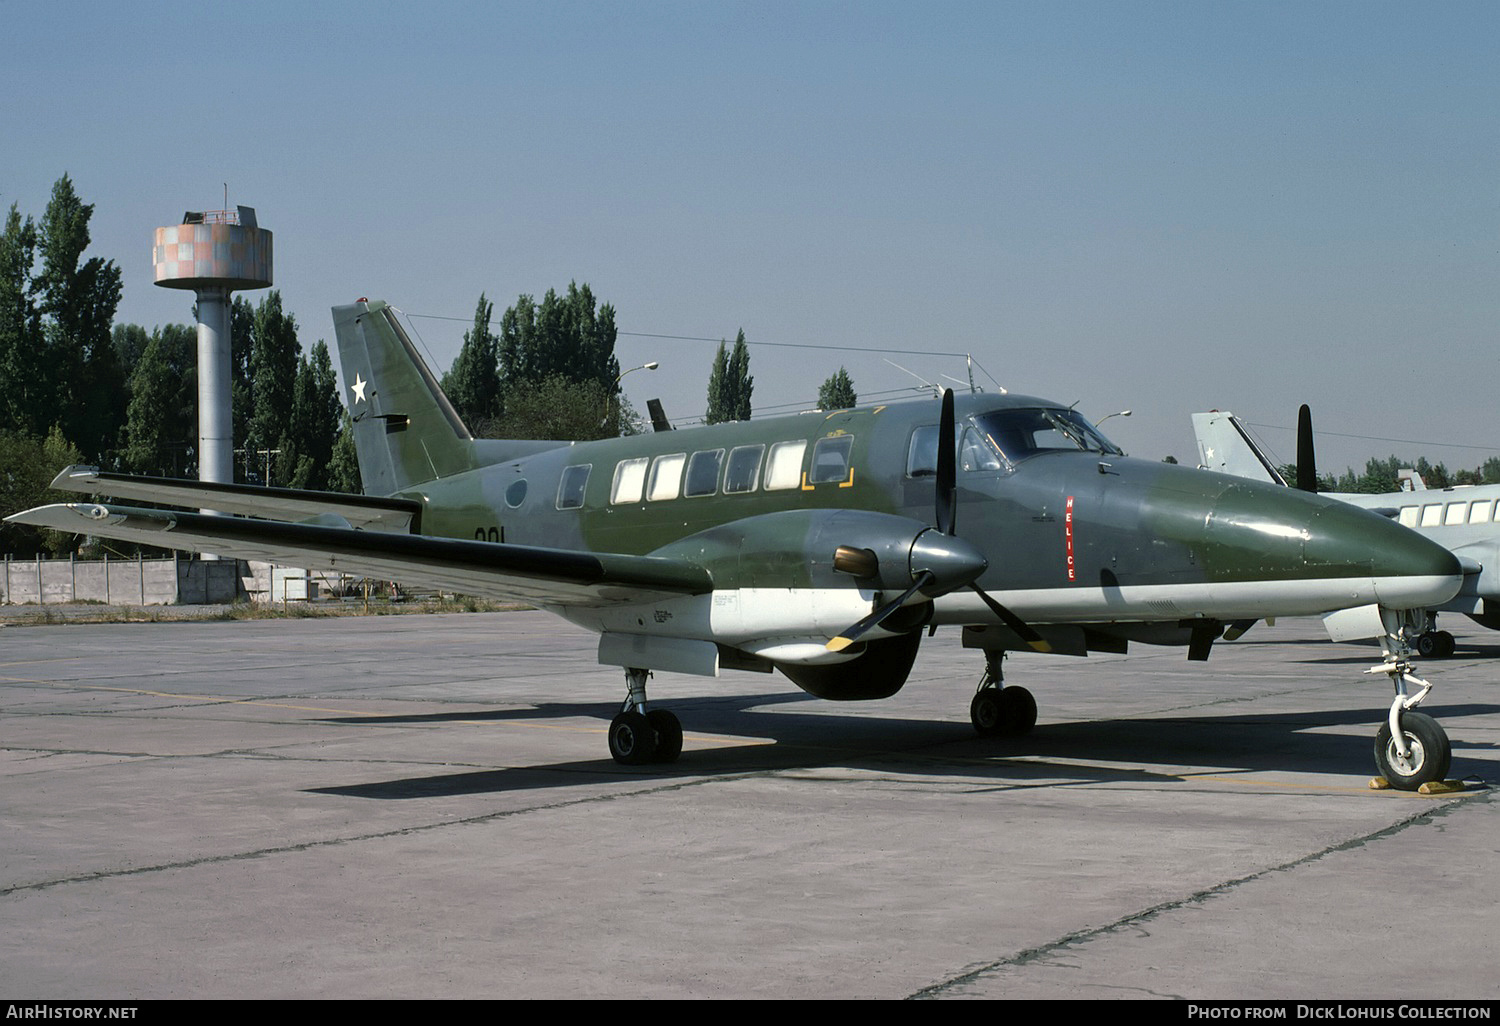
997 710
638 736
1433 643
1411 749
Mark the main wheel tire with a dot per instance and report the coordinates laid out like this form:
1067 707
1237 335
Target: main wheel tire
1428 644
1018 708
668 734
984 712
632 739
1431 753
1002 712
1446 645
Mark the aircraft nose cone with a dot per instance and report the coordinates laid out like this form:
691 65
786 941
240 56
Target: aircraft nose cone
1410 570
952 561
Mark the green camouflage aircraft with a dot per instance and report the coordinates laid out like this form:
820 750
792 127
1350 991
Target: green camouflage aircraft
818 545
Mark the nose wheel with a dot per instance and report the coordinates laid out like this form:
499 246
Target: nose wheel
1428 754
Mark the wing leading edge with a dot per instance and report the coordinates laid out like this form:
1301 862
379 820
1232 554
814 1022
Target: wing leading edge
370 512
485 569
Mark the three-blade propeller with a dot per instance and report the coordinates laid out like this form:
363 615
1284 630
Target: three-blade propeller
941 562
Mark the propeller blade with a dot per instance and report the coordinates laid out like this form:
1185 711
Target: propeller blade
1307 464
853 633
1028 634
947 468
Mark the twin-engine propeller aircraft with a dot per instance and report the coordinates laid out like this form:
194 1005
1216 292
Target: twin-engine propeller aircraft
817 545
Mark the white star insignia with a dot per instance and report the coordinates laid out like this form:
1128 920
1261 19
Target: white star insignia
358 388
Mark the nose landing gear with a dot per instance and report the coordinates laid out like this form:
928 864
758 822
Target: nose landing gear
1411 749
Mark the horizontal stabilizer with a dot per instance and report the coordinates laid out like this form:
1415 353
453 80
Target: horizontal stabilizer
370 513
548 577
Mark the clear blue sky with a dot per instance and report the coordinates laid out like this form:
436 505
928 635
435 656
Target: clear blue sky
1165 207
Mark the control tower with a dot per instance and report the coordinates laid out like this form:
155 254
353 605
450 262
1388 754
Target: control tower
214 253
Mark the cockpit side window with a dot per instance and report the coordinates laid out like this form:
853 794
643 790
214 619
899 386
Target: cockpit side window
974 451
1020 434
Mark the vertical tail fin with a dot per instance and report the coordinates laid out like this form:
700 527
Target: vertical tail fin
405 430
1225 446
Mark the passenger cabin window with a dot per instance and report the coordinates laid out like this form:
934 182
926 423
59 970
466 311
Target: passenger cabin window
1432 515
830 462
703 473
784 468
743 469
1457 511
630 479
1480 514
571 488
1409 515
666 477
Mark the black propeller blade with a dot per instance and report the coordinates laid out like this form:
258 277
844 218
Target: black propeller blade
852 634
947 468
1307 464
1028 634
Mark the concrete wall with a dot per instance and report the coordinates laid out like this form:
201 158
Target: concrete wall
130 582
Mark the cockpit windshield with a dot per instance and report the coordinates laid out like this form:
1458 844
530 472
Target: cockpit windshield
1021 434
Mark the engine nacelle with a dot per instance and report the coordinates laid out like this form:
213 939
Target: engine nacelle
878 672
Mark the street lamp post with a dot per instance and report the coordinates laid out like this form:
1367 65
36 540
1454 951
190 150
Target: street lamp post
610 399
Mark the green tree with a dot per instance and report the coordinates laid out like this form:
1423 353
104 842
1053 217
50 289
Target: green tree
274 356
563 336
312 429
343 465
729 383
473 383
560 408
26 398
241 343
79 299
27 466
562 351
160 421
837 393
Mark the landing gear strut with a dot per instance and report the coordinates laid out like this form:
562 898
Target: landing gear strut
638 736
1411 749
997 710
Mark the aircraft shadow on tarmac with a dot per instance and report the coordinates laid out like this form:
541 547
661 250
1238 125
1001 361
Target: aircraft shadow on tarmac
1369 652
1184 747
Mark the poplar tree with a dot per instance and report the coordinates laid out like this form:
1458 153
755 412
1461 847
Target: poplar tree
837 393
473 383
78 299
729 383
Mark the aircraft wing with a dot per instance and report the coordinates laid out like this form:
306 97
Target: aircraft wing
484 569
360 511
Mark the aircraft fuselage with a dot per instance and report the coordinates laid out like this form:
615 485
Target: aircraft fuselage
1072 535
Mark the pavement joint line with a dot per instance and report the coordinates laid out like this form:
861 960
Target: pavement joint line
208 860
1448 807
